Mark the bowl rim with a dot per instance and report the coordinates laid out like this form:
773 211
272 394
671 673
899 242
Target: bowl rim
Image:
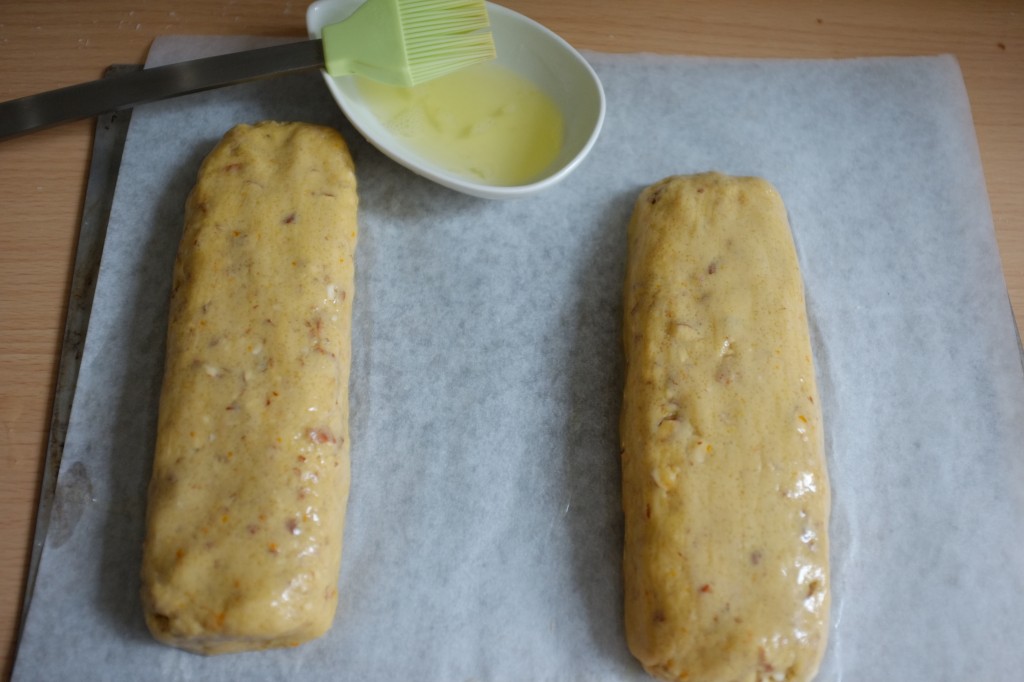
314 20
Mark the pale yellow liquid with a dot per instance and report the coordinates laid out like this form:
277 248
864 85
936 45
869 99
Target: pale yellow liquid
484 122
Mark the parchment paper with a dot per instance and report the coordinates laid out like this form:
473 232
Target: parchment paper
484 532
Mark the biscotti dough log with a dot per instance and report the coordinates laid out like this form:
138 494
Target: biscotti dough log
725 491
251 471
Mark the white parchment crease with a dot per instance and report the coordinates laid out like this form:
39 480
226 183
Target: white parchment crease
484 533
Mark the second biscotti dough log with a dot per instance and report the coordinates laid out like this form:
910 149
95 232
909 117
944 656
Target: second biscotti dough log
725 491
251 471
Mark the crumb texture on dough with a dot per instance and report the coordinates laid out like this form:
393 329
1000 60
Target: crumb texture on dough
250 479
725 490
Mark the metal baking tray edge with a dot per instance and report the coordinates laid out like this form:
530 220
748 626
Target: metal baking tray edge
108 145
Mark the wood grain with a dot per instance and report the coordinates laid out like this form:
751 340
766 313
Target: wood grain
49 44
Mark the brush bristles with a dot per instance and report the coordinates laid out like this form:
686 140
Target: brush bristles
444 35
439 7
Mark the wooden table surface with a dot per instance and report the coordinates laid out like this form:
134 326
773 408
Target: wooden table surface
46 44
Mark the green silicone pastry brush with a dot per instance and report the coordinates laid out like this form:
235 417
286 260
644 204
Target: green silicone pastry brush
407 42
400 42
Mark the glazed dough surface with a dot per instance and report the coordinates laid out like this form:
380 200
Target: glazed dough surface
251 471
725 491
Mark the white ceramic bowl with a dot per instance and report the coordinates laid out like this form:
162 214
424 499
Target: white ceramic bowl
523 46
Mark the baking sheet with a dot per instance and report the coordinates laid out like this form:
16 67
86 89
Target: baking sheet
107 149
484 533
